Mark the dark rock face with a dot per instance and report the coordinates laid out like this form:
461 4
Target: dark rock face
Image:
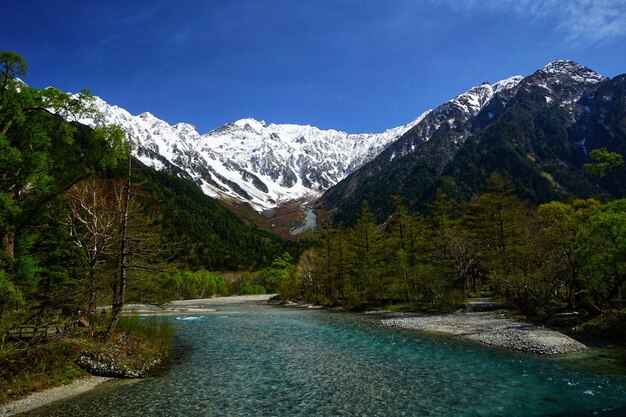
536 131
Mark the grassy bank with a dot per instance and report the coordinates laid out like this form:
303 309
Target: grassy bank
30 366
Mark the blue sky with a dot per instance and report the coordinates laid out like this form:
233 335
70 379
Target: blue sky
353 65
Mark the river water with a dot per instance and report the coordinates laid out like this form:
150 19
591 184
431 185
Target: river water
268 361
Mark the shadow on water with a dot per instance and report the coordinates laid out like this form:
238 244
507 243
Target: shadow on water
181 352
599 360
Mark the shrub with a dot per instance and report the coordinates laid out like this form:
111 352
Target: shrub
253 290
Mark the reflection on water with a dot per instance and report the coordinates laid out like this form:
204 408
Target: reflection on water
266 361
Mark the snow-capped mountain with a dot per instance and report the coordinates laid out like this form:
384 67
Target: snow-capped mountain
536 130
453 113
266 165
563 82
248 160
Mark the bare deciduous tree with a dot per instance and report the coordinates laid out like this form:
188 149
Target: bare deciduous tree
93 221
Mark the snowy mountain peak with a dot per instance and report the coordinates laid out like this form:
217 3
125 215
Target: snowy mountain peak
452 114
473 101
186 129
563 65
148 116
507 83
250 122
266 165
563 82
573 70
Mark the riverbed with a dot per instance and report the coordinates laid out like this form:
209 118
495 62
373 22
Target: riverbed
252 360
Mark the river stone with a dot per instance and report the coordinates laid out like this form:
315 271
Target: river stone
103 364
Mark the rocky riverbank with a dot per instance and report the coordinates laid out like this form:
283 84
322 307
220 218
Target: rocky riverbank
492 329
104 364
51 395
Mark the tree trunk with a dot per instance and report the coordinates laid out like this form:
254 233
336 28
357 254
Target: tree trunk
8 244
91 307
341 266
118 302
619 280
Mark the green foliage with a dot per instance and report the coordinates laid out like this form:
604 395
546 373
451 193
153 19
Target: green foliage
158 330
565 255
253 289
116 138
607 250
497 219
188 285
41 156
605 161
365 258
10 295
370 266
611 324
25 369
12 65
276 276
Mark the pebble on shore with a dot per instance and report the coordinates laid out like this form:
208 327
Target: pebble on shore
490 330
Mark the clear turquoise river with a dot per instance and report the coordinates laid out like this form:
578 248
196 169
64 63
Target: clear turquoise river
268 361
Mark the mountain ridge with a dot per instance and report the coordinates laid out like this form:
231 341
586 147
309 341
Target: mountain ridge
534 133
266 165
248 160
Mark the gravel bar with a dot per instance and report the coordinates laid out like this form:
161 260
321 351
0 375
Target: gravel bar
194 306
489 329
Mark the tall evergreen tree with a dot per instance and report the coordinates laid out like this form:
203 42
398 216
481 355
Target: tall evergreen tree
497 219
406 241
368 256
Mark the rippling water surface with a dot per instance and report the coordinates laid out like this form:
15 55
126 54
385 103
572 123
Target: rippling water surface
267 361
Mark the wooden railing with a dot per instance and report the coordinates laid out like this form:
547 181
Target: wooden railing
43 331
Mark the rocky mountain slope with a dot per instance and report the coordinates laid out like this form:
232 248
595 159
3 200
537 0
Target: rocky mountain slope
266 165
536 130
250 161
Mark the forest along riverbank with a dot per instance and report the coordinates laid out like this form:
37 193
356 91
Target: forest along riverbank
492 329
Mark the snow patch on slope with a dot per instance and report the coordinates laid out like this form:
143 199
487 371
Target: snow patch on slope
249 160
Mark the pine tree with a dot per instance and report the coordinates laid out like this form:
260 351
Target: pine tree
497 219
405 238
368 257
